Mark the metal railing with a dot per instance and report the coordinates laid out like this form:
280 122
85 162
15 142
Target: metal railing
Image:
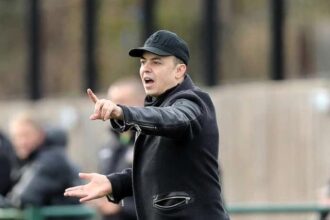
9 214
272 208
41 213
35 213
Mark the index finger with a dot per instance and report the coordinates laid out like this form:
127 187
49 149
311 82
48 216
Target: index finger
92 96
73 188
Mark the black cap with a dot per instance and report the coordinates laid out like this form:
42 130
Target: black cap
164 43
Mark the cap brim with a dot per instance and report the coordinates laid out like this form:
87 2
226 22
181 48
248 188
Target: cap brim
138 52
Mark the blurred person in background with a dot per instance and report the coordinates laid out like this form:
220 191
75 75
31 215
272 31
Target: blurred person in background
42 170
117 154
175 172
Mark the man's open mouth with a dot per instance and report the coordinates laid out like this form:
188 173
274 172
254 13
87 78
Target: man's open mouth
148 80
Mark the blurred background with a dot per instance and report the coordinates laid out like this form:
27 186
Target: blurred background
265 64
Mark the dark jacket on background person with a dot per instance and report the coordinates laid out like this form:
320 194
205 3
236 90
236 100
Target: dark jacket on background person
41 179
6 155
116 156
4 174
175 172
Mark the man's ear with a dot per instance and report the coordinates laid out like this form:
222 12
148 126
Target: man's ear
180 70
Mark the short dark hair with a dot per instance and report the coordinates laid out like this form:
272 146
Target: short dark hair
178 61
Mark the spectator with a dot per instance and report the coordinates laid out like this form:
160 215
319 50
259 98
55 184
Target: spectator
117 154
43 171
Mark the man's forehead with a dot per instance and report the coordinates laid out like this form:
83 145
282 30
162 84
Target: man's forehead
152 56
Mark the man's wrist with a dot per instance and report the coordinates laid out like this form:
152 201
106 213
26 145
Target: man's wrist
119 115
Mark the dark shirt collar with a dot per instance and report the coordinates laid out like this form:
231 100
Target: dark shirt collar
157 101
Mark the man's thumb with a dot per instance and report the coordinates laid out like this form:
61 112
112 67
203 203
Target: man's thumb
85 176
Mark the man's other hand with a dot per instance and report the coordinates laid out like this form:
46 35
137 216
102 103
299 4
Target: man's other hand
98 186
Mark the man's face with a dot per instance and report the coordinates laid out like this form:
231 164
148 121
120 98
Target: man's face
26 138
158 73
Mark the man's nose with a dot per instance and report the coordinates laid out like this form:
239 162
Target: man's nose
145 67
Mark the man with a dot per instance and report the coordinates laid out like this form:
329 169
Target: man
175 171
43 171
117 154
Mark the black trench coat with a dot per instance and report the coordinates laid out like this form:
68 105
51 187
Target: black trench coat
175 172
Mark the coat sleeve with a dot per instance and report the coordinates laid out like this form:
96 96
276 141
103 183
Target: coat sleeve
121 185
182 118
128 210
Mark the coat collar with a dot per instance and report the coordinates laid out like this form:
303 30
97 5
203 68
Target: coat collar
186 84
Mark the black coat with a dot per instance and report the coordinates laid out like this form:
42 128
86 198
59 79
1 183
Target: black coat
6 156
4 174
175 172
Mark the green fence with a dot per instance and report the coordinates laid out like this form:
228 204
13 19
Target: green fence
11 214
277 208
85 212
34 213
245 209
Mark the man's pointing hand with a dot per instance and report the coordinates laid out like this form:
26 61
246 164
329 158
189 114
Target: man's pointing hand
104 109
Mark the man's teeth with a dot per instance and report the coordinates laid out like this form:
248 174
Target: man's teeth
148 80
